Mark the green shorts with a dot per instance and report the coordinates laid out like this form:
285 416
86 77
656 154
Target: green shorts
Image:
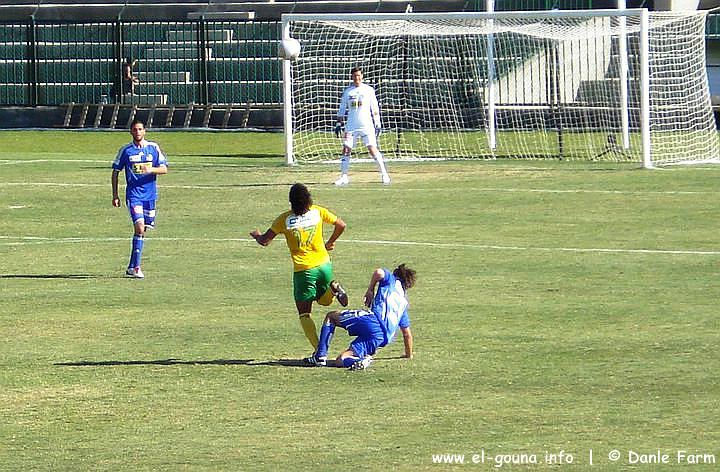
311 284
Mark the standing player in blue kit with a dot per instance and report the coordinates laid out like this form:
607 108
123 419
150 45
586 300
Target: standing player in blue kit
142 161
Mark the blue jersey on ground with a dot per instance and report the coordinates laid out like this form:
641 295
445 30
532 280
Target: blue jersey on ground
390 306
375 328
131 158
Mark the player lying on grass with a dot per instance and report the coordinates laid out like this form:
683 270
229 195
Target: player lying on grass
302 227
374 328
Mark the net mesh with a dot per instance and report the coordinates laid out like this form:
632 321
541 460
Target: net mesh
514 87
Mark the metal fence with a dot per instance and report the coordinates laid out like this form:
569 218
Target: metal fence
514 5
203 62
185 62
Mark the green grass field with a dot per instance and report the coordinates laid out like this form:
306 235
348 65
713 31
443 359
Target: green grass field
563 312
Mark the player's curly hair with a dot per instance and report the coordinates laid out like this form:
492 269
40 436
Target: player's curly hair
300 199
406 275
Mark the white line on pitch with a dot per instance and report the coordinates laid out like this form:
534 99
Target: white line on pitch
47 184
28 240
437 189
42 161
177 161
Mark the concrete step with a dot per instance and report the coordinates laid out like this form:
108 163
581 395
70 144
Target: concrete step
175 53
216 36
165 77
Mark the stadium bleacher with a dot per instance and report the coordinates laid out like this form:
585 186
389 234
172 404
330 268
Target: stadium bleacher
175 10
54 53
75 51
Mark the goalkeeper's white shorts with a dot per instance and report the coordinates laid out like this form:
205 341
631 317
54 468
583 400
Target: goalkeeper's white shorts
366 135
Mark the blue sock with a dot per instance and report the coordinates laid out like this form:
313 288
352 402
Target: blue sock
326 335
344 164
137 248
349 361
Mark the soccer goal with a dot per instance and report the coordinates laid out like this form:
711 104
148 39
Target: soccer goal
606 85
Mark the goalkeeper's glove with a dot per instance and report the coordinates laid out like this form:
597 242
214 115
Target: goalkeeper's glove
338 129
378 131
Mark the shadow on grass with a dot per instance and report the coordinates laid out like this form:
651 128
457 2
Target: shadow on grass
155 362
52 276
248 362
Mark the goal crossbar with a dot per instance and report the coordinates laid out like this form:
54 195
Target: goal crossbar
498 15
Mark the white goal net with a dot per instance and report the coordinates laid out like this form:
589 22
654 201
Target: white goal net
620 85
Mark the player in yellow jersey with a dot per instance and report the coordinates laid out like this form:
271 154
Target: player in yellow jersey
302 227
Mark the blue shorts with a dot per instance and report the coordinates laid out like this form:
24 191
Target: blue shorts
364 325
142 210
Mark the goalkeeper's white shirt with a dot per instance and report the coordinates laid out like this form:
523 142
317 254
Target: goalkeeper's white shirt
360 105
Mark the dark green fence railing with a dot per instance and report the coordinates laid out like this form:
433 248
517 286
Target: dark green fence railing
203 62
514 5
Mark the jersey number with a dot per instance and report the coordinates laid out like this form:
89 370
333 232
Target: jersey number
302 244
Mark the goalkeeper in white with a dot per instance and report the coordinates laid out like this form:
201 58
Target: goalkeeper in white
360 105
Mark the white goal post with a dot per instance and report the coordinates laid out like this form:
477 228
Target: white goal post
606 85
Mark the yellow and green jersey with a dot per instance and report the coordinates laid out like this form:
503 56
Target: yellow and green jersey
304 236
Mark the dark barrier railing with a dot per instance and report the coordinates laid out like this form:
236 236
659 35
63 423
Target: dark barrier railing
203 62
512 5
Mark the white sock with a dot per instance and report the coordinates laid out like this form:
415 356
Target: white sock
381 164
